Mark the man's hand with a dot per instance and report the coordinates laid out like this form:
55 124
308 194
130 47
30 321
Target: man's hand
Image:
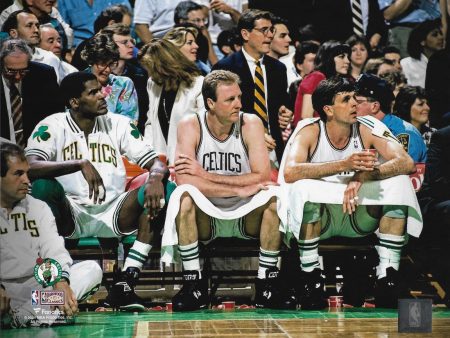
95 182
374 41
284 117
350 201
70 307
4 302
154 194
270 142
255 188
362 161
286 133
189 166
220 6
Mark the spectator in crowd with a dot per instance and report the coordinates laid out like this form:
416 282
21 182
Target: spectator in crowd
24 25
102 55
46 12
304 56
19 248
174 89
85 187
308 33
332 59
51 41
403 15
185 38
360 53
331 192
229 41
395 79
437 84
128 66
424 41
223 196
374 97
191 12
153 18
110 15
34 84
392 54
411 105
80 15
264 79
379 66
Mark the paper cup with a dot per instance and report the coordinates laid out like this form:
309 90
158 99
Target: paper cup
335 301
228 306
169 307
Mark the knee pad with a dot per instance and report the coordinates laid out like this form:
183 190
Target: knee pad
395 211
168 190
51 192
311 212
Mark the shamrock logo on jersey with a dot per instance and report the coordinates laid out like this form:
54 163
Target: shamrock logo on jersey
41 134
134 131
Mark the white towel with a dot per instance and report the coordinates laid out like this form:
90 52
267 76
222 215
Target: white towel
169 243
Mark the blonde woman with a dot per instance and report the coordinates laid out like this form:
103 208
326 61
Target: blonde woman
174 90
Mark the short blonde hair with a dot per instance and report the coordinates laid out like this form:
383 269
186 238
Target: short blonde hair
178 35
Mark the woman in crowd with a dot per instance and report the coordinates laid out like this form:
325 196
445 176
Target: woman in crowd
360 53
424 41
174 88
411 105
332 59
102 55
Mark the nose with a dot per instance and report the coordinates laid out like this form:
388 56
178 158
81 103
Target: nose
346 60
426 107
58 44
194 44
25 179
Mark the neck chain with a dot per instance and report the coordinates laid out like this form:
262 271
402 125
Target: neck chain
164 109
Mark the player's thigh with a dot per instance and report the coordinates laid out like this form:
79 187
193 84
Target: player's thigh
130 211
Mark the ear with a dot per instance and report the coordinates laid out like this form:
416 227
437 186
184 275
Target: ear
328 110
14 33
110 22
375 107
74 103
245 34
210 103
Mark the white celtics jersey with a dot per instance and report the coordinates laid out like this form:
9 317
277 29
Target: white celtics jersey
227 157
326 152
58 138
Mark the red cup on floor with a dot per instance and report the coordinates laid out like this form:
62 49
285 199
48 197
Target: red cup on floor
228 306
169 307
335 301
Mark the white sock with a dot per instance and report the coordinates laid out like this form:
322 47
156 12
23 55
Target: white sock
267 259
389 251
190 257
137 255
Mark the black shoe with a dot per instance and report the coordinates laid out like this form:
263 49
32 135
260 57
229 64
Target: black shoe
121 295
387 290
313 291
193 295
270 294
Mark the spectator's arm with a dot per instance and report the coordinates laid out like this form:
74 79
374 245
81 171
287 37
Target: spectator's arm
143 31
396 9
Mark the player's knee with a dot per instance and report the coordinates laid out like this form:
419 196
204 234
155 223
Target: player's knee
375 211
395 211
311 212
187 204
95 272
272 205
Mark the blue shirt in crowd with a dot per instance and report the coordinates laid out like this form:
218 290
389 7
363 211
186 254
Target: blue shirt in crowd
419 11
408 135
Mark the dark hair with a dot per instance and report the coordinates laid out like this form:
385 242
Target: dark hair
278 20
326 92
307 33
115 13
229 37
405 99
182 10
419 34
8 149
100 48
390 49
11 21
249 16
324 60
74 84
117 28
356 40
394 78
213 80
305 48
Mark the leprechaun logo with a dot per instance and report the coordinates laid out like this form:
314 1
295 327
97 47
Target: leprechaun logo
47 271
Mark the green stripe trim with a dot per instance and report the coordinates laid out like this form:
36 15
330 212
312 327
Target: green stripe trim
137 253
136 258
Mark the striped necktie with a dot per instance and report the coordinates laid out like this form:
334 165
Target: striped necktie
260 95
16 112
358 27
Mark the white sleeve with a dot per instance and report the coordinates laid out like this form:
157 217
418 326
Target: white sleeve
144 12
42 141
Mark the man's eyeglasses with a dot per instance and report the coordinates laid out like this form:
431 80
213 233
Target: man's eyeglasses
199 21
104 65
125 42
14 72
266 30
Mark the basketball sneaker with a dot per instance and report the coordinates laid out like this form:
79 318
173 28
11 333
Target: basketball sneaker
193 295
121 295
313 291
270 293
387 291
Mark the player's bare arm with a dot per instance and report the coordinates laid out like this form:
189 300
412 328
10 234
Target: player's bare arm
40 168
154 187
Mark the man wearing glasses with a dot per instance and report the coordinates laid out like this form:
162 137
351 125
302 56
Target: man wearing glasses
28 91
263 79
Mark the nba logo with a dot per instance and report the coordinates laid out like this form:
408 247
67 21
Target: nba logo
35 297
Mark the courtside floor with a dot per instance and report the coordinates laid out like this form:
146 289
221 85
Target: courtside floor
348 322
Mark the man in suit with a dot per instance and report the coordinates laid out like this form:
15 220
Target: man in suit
36 85
257 31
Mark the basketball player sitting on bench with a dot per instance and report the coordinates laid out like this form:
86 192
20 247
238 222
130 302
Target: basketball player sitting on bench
223 172
338 188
